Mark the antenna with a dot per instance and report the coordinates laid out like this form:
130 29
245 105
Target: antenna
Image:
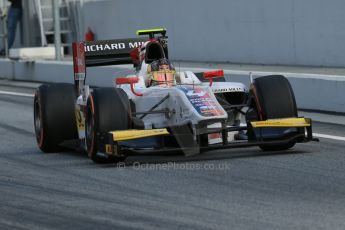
179 67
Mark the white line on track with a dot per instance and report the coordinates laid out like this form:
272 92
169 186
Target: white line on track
338 138
16 94
326 136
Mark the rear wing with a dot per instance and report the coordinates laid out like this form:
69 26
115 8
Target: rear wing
110 52
107 52
101 53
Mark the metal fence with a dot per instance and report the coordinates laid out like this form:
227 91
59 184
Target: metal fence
60 18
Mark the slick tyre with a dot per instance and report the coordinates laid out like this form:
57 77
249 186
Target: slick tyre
107 109
274 98
54 116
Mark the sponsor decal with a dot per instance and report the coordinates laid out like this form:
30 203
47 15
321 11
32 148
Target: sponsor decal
133 45
80 123
202 101
80 120
108 149
79 76
224 90
192 93
112 46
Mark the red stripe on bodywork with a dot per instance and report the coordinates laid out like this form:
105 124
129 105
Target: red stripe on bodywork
79 57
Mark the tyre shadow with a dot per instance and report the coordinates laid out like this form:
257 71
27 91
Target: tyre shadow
206 156
179 157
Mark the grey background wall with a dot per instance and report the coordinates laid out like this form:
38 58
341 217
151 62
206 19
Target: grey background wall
285 32
314 92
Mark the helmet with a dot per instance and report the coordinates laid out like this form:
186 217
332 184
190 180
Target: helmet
162 73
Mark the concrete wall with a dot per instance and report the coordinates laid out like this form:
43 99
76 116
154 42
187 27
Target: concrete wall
287 32
314 92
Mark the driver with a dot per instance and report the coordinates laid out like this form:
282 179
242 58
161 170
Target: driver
162 73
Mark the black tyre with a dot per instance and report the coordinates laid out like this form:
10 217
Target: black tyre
273 98
107 109
54 116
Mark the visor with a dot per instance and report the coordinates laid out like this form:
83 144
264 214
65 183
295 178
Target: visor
163 78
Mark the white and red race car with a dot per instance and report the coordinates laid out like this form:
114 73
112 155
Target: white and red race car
158 109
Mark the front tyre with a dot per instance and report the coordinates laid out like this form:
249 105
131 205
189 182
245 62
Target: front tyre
107 109
273 98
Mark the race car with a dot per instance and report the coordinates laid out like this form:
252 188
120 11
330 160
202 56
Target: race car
158 109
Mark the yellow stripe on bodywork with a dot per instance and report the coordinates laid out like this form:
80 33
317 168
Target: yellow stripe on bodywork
136 134
284 123
157 30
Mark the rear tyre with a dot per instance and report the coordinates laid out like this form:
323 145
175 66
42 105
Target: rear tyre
107 109
54 116
273 98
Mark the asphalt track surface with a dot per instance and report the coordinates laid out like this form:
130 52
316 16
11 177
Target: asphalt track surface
303 188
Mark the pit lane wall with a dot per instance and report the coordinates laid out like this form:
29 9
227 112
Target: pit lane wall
312 91
272 32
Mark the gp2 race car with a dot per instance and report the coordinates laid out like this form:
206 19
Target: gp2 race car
160 110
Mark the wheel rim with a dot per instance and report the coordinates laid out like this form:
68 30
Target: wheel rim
38 122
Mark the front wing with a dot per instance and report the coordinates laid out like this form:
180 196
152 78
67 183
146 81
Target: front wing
131 142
